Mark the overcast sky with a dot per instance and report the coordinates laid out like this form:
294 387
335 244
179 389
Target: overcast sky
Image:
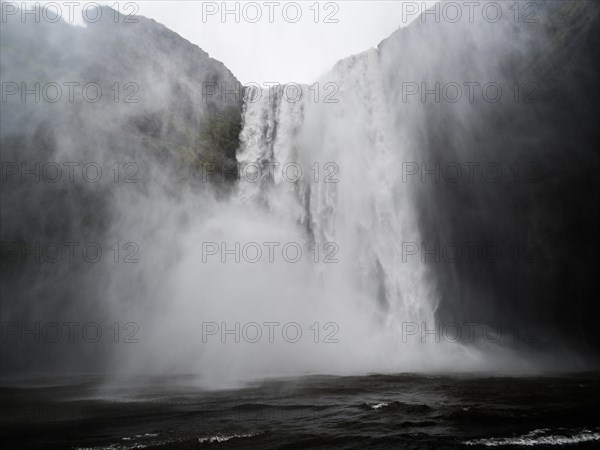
276 41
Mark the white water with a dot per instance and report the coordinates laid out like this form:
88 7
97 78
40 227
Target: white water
367 211
541 437
359 302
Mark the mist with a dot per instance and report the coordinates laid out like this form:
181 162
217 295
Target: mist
289 230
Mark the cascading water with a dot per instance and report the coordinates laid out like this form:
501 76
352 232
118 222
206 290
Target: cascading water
322 179
333 174
357 203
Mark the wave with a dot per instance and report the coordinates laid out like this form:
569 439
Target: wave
224 438
541 437
400 406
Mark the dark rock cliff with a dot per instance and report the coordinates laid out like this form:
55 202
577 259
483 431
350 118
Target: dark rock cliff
539 219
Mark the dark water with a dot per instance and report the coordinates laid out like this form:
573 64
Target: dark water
376 411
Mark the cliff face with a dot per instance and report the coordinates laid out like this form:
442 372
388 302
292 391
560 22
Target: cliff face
122 98
151 100
537 216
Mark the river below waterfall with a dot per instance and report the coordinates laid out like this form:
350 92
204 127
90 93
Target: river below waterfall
374 411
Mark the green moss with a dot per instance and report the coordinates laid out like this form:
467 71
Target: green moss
220 133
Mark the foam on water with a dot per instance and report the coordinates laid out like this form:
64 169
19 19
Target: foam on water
224 438
541 437
378 405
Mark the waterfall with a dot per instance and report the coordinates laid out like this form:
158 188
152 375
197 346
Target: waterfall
350 195
322 179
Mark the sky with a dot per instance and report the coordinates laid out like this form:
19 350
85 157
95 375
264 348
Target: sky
274 41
